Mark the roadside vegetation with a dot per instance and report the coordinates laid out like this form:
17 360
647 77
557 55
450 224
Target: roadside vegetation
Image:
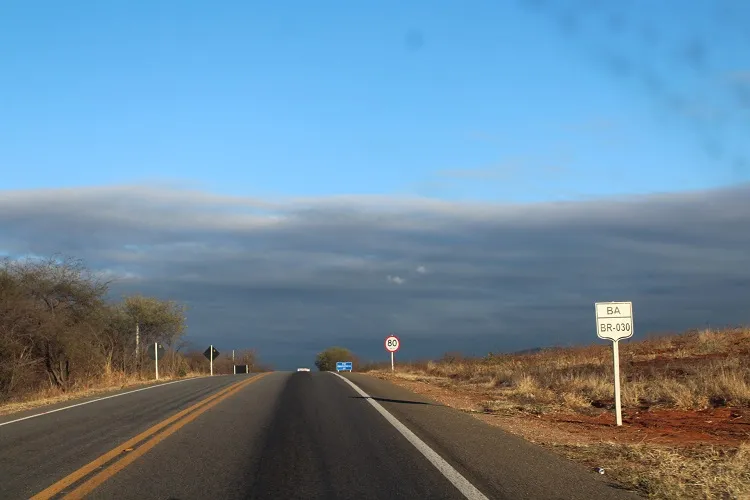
61 336
223 365
326 360
696 370
686 406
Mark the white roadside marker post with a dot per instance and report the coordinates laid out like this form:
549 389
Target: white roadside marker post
209 354
614 321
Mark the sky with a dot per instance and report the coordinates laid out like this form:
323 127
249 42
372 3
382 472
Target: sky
469 175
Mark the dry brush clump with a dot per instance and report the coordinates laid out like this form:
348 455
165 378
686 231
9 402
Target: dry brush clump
662 472
224 365
326 360
694 370
59 333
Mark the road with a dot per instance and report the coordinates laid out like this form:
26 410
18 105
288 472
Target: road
280 435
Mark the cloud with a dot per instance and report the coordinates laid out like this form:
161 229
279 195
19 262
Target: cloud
292 276
500 172
422 270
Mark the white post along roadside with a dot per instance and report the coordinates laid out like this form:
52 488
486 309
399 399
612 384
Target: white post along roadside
210 354
392 344
614 321
156 359
153 353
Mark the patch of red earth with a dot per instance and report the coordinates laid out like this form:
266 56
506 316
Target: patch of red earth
721 426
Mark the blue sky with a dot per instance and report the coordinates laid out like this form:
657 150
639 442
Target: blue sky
501 101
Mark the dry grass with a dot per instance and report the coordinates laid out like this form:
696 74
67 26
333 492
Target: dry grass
671 378
670 472
677 470
690 371
51 395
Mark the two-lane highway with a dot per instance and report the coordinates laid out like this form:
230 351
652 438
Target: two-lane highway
279 435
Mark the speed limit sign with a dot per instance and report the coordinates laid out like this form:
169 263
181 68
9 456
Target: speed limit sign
392 343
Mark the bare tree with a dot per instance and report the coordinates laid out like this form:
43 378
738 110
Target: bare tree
153 320
57 326
247 357
60 297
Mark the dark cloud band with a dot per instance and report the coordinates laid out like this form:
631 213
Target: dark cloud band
291 277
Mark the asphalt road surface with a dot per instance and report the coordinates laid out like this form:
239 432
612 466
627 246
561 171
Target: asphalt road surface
278 436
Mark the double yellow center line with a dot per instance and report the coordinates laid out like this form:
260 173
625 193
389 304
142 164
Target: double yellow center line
132 449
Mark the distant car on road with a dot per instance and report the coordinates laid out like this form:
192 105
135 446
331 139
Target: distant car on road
303 369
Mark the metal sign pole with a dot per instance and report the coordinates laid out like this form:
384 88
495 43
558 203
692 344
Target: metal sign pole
212 359
392 366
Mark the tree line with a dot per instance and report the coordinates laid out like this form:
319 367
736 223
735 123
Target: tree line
59 330
326 360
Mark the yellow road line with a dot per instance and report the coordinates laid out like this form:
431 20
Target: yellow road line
201 407
87 469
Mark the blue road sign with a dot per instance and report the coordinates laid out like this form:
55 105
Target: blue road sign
343 366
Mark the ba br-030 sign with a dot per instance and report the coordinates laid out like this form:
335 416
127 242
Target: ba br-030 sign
614 320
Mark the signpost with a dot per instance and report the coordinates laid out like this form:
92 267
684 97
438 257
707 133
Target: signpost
211 354
156 351
614 321
343 366
392 345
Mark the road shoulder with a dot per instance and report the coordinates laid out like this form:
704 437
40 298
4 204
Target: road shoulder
17 410
492 459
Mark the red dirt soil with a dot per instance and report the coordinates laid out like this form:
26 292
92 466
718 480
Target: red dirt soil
720 426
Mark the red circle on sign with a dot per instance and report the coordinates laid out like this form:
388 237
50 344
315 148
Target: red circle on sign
391 348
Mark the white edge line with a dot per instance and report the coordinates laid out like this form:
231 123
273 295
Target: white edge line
464 486
95 400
